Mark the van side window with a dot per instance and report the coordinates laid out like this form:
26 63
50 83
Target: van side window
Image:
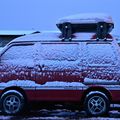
18 52
59 51
101 54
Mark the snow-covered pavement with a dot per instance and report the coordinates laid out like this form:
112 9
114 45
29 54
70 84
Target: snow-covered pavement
60 114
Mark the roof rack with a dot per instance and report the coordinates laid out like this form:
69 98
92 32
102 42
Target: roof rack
102 29
66 31
102 25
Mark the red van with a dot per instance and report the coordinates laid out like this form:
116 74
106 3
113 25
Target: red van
43 67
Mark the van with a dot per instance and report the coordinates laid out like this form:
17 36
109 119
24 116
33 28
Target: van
43 67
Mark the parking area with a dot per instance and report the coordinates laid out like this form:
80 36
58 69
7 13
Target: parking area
60 114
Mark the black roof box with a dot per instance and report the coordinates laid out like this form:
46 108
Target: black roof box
101 24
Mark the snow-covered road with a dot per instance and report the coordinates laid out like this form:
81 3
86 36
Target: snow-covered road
60 114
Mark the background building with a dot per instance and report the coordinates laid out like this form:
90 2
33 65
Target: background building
7 36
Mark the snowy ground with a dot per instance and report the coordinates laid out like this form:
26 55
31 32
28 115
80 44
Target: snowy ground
60 114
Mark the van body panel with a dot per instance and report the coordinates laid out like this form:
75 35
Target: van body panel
60 71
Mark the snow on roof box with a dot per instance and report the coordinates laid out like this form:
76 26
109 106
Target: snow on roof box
101 24
87 18
86 22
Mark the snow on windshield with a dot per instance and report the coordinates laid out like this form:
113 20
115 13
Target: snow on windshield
19 55
18 52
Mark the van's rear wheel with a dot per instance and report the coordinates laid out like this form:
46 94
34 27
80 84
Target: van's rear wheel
12 102
97 104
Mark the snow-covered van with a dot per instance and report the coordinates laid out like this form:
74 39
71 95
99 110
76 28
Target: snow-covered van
55 67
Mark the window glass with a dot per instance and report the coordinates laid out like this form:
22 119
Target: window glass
18 52
101 54
59 51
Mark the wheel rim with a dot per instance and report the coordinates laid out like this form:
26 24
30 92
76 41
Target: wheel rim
96 105
11 104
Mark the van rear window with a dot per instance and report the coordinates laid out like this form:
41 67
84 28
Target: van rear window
101 54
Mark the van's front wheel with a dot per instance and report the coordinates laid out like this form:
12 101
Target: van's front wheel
97 104
12 102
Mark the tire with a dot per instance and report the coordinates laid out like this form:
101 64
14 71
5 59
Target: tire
97 104
12 102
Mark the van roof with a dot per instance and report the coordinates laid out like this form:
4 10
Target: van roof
51 36
43 36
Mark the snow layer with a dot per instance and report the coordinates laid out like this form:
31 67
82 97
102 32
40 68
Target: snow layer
87 18
59 52
32 84
109 84
101 54
100 81
19 52
1 48
52 36
43 36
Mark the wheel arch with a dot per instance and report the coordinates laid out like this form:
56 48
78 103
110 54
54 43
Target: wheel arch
17 89
99 89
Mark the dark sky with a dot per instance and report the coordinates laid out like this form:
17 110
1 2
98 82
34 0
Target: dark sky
43 14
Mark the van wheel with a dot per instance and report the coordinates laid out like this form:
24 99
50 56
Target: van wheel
97 104
12 102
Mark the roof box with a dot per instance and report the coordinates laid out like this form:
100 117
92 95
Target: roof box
101 24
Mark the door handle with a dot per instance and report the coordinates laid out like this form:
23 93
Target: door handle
40 67
43 66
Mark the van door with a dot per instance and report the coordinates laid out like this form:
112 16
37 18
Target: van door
17 67
58 68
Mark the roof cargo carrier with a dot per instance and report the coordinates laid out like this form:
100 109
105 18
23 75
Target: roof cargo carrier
101 24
